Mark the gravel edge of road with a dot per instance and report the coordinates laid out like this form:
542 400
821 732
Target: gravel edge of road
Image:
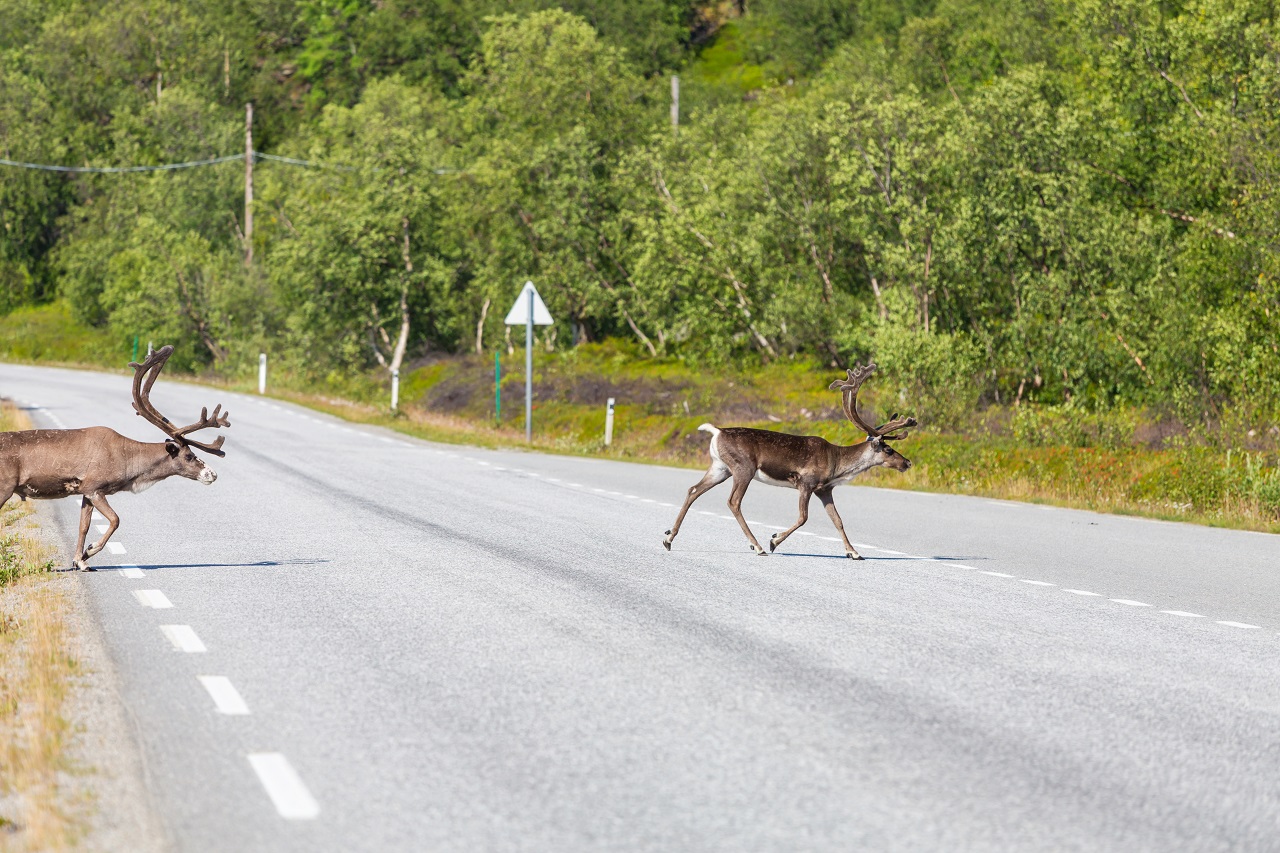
107 787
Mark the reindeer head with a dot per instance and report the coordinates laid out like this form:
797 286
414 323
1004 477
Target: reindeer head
185 463
878 438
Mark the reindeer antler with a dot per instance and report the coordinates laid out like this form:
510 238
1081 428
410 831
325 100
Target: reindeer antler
218 420
144 376
849 391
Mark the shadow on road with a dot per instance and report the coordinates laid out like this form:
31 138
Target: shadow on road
303 561
882 559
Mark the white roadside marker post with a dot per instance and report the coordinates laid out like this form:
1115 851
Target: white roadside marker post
608 423
395 388
262 373
529 310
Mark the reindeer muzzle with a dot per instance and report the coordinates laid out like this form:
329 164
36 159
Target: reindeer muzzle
207 476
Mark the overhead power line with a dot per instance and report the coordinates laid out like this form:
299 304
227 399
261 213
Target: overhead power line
190 164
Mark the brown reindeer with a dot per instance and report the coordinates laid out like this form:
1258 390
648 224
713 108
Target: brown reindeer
97 461
807 463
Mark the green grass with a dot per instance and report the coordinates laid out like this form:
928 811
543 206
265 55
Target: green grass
51 335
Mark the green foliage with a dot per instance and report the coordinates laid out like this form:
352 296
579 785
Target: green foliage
1072 204
51 333
1071 426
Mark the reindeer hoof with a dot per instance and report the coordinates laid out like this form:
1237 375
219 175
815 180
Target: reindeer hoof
773 542
853 555
760 552
82 565
666 544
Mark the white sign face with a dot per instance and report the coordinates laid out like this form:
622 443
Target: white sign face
519 313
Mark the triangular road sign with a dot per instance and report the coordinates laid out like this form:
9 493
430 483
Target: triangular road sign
519 313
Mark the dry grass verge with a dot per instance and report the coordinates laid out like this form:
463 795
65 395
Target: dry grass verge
36 677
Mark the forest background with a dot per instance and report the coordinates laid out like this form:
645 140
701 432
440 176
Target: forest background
1051 222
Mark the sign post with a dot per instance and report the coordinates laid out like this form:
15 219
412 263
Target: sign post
262 373
608 423
529 310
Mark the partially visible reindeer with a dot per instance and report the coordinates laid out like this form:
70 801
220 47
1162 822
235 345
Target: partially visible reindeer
98 461
807 463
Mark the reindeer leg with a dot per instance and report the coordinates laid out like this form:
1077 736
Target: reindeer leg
715 475
86 516
113 521
778 538
740 483
829 501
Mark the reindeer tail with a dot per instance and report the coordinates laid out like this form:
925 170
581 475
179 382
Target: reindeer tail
709 428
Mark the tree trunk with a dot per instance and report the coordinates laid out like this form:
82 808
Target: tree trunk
402 340
484 312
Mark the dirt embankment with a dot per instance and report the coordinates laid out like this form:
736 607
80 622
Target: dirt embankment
71 769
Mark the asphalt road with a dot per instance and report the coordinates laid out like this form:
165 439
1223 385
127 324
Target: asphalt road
443 648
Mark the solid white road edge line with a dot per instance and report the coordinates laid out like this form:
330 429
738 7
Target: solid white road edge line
224 694
1081 592
291 798
183 638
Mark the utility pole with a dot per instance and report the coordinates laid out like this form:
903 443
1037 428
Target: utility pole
248 185
675 105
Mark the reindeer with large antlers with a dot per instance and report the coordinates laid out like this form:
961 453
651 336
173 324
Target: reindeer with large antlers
806 463
97 461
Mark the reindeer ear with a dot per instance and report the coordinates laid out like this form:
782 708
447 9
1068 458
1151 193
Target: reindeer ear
172 447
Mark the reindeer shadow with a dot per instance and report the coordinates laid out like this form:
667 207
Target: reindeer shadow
889 559
302 561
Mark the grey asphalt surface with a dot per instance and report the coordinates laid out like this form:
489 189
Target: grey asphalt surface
460 649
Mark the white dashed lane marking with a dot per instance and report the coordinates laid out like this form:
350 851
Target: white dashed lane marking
224 694
115 548
1007 504
183 638
291 798
152 598
130 572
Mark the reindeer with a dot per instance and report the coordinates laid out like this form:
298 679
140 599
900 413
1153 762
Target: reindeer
96 461
806 463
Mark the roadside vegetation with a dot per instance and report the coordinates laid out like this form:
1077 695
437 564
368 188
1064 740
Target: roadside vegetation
36 677
1050 223
1123 459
